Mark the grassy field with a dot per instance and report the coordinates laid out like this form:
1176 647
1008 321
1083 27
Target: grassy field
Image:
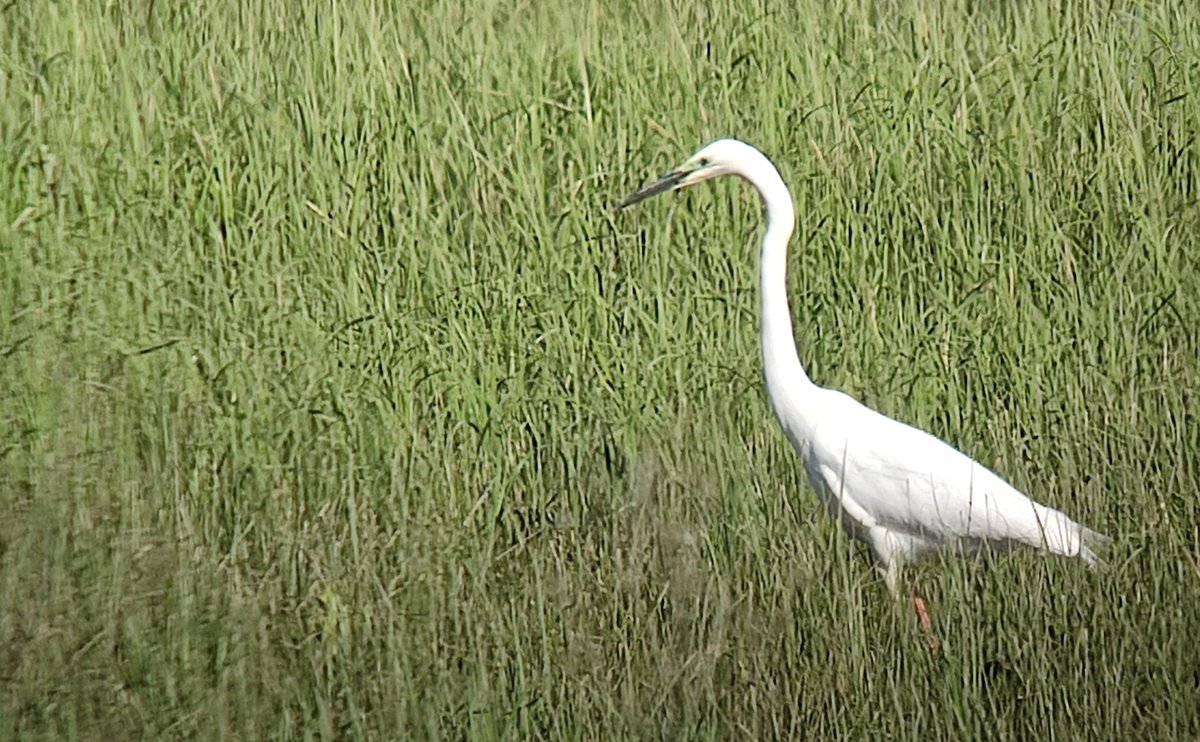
337 402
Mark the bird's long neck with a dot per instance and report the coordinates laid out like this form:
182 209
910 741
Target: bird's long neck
788 386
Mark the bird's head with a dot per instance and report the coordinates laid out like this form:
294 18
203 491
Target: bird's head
721 157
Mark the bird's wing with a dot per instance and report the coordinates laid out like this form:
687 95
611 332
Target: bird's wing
907 480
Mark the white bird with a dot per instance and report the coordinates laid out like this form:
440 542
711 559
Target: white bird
902 491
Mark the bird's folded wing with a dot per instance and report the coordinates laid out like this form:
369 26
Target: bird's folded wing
907 480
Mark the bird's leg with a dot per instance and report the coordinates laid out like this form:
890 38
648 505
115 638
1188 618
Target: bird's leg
925 622
891 577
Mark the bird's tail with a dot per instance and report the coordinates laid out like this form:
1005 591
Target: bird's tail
1090 543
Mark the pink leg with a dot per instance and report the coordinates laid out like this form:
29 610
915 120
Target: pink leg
926 623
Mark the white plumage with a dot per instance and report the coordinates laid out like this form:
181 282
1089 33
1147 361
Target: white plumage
902 491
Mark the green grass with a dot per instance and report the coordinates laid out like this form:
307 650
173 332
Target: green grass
336 401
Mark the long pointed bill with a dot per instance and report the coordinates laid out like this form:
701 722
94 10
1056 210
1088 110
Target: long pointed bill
665 183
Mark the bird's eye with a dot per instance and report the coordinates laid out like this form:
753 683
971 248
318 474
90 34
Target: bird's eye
703 162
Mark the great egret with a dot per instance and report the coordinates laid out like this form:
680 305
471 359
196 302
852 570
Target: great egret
899 489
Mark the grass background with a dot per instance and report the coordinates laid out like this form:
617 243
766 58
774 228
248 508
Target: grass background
335 400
